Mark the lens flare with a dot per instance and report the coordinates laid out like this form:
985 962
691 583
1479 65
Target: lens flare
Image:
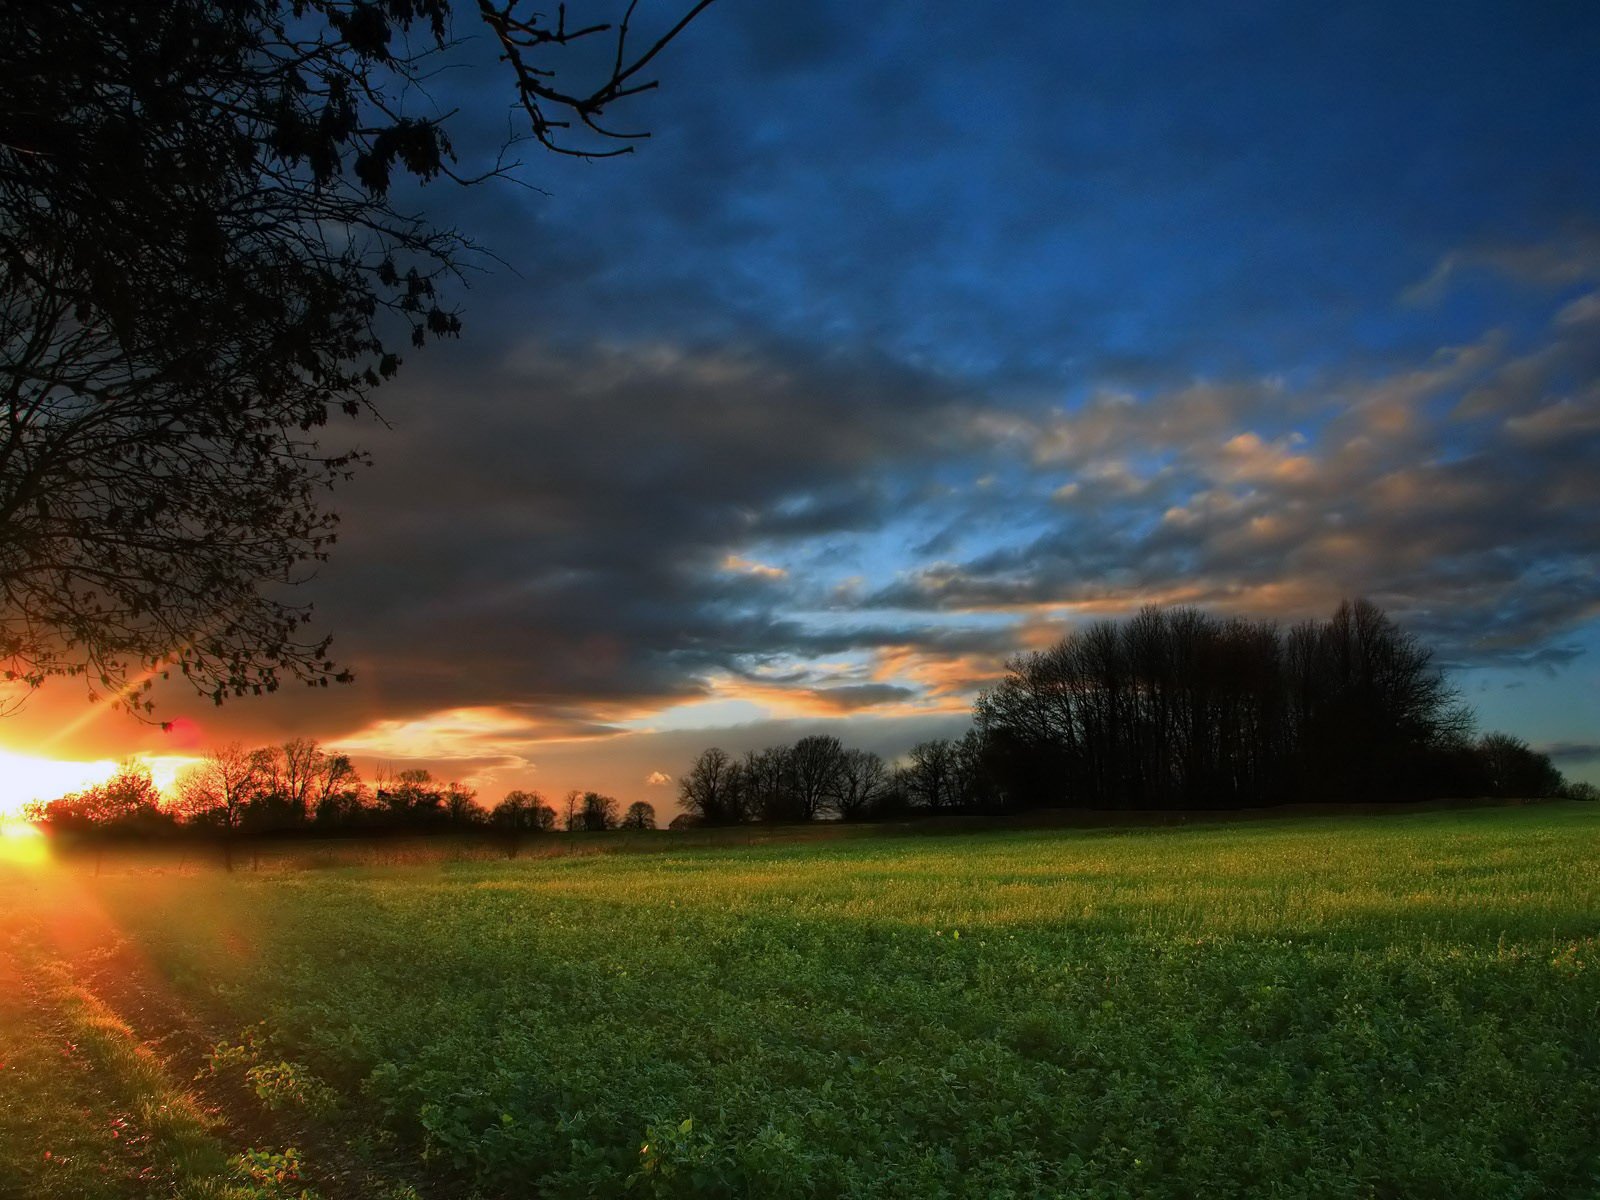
22 845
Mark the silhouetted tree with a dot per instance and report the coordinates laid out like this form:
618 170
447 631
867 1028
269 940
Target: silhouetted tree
860 784
200 264
1178 709
976 786
932 775
814 765
128 802
710 789
519 815
338 795
1514 770
599 813
461 805
302 765
640 815
413 799
767 780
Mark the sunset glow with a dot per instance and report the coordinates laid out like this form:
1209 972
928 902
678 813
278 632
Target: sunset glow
25 777
21 844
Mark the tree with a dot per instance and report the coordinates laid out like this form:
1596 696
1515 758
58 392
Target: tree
337 792
1514 770
200 265
599 813
129 800
711 789
860 784
219 792
932 775
640 815
767 778
520 814
461 805
814 764
302 765
1177 709
414 797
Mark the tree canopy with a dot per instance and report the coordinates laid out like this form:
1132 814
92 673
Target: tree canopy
200 265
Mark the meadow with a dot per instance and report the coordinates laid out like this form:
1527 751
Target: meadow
1404 1005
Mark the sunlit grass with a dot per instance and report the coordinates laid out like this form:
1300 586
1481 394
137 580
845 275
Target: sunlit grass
1401 1005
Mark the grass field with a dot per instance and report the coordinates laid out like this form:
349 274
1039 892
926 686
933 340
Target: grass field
1404 1005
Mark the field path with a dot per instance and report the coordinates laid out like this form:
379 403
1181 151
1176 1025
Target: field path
81 941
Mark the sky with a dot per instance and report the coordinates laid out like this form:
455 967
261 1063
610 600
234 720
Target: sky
918 333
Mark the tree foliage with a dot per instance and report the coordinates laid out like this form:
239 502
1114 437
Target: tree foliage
1176 709
200 266
641 815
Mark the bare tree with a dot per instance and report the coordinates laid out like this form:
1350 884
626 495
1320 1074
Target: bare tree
461 805
302 763
860 784
1176 708
932 774
814 764
337 792
710 789
599 813
768 782
219 792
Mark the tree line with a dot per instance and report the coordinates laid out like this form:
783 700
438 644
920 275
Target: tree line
1172 709
300 787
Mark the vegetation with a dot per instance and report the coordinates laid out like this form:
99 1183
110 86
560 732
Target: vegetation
1398 1005
87 1113
201 264
1171 710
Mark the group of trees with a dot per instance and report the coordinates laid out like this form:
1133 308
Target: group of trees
1178 709
300 787
818 777
1172 709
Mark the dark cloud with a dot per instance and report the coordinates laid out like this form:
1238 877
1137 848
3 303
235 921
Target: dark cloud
554 530
1572 751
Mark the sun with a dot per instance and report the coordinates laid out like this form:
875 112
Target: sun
25 777
21 844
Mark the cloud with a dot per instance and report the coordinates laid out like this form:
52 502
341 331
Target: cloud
1472 525
1550 263
657 779
740 565
1571 751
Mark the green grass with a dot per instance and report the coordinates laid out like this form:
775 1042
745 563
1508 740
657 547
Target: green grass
1400 1006
86 1111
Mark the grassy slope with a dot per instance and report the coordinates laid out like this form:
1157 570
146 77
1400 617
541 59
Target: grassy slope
1396 1006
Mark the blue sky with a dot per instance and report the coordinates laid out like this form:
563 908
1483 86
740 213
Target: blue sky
918 331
